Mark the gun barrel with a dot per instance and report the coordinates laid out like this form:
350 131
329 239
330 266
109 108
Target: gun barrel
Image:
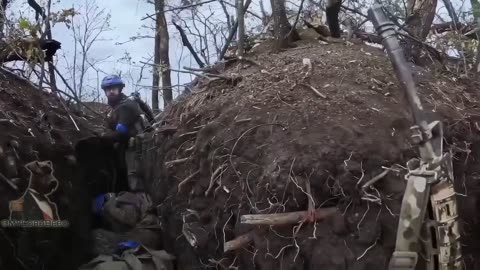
386 30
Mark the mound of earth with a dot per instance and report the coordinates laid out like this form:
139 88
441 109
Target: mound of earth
249 140
36 126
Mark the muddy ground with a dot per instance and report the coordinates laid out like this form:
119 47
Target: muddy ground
245 142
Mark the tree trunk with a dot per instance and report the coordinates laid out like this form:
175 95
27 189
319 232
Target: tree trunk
51 68
420 15
281 24
241 28
232 33
156 61
164 57
265 17
476 15
3 18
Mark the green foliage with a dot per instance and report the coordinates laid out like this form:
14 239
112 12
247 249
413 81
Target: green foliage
24 24
28 28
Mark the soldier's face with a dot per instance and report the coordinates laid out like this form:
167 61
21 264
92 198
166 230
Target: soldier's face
112 92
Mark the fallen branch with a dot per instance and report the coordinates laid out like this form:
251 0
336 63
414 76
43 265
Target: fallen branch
207 76
311 202
288 218
176 161
239 242
375 179
464 29
201 69
186 180
314 90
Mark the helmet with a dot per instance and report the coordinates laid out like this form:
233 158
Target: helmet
112 80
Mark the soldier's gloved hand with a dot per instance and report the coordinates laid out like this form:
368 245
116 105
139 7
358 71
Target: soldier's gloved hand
99 202
126 245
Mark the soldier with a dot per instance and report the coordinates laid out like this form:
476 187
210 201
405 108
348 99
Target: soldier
128 119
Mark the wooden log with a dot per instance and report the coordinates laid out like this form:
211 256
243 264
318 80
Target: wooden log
287 218
238 242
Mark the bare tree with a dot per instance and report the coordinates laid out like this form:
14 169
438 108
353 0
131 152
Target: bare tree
161 58
281 24
476 15
3 17
156 61
48 33
87 30
227 15
420 15
241 28
265 16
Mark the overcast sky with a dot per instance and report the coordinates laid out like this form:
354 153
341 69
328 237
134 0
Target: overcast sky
126 22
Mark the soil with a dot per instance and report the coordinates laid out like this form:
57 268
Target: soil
246 141
34 125
259 131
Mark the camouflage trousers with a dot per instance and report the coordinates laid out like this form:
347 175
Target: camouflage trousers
134 162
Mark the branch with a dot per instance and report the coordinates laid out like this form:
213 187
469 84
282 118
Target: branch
354 11
288 218
296 19
466 29
246 11
187 44
232 33
238 242
74 97
178 8
451 12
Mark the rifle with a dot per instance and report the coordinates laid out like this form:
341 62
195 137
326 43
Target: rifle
428 219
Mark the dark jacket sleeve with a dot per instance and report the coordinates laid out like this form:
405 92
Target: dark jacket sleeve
128 114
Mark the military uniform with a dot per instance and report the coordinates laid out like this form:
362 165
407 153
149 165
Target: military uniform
130 116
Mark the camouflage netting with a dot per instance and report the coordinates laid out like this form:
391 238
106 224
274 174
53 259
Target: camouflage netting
248 139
